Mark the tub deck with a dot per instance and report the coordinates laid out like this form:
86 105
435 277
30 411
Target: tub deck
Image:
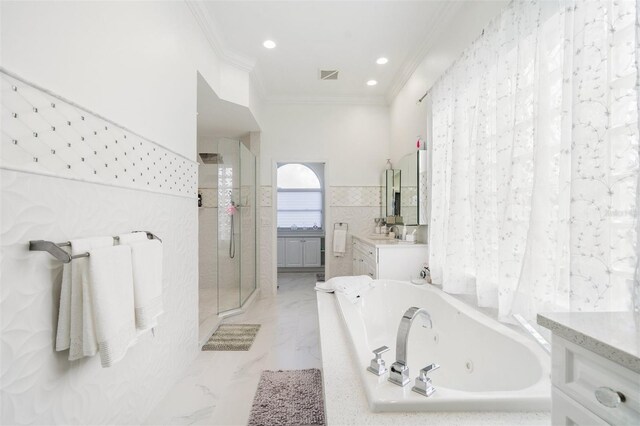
345 399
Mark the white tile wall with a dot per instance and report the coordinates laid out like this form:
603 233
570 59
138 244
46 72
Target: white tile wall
68 173
39 385
44 134
266 194
345 196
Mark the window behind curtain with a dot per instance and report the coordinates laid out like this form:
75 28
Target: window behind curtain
299 197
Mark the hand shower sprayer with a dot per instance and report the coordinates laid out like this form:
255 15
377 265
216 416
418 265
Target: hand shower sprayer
231 211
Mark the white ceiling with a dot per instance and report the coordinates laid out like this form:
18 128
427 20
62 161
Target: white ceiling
220 118
344 35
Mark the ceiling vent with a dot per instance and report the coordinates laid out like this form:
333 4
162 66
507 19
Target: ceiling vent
328 74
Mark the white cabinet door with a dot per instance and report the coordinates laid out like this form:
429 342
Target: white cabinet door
293 253
566 411
282 254
311 251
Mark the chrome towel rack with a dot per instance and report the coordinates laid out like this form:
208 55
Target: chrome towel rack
55 249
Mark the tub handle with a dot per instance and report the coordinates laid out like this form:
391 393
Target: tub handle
423 384
377 365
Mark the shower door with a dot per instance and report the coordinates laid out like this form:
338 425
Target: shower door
236 224
228 226
248 221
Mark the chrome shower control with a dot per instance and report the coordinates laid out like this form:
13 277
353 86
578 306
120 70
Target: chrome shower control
377 366
423 383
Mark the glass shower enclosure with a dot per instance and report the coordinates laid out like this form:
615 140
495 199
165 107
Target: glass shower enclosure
227 227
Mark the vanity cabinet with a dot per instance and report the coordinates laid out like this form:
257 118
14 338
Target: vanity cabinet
594 382
387 259
299 252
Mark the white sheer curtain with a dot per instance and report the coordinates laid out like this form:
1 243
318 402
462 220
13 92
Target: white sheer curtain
536 160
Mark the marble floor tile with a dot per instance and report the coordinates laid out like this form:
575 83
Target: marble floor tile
218 387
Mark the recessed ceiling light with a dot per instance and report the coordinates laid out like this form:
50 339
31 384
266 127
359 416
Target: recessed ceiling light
371 83
382 61
269 44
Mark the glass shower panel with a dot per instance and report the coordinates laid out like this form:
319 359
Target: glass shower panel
228 225
248 222
208 241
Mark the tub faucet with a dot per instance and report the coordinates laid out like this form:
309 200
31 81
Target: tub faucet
399 373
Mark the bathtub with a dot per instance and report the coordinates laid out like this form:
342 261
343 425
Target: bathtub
484 365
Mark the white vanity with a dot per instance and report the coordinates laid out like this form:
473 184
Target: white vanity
387 258
595 367
300 250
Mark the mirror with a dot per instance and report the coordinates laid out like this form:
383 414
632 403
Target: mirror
392 192
413 191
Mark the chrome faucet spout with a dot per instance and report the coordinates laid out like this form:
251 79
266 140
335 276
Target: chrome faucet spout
400 370
402 340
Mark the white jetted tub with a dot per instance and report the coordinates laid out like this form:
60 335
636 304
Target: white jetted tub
484 365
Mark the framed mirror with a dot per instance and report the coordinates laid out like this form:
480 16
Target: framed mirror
413 190
392 198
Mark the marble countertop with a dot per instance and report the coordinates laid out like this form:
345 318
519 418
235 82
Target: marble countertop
613 335
345 399
390 242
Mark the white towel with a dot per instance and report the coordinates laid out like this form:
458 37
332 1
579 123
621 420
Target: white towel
146 261
111 293
346 285
63 334
82 339
339 242
350 285
132 237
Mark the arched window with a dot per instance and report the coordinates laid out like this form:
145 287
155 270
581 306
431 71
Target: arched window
299 197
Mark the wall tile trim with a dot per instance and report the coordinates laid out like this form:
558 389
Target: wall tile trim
45 134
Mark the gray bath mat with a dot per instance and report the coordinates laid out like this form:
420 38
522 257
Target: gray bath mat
232 337
287 398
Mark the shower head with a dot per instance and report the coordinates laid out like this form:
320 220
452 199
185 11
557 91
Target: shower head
210 158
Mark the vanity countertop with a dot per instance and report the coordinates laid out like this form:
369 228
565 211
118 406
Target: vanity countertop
300 233
613 335
388 242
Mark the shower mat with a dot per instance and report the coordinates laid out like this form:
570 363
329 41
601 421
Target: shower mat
232 337
287 398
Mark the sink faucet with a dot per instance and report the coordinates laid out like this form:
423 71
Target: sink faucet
396 232
399 374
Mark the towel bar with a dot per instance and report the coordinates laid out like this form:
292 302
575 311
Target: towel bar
56 251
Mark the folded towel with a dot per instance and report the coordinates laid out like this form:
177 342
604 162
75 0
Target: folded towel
352 284
82 339
323 287
111 279
63 334
339 242
146 261
347 285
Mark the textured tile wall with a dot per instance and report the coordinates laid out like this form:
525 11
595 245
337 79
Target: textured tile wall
68 173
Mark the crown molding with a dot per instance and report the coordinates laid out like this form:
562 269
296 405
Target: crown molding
207 24
441 20
326 100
